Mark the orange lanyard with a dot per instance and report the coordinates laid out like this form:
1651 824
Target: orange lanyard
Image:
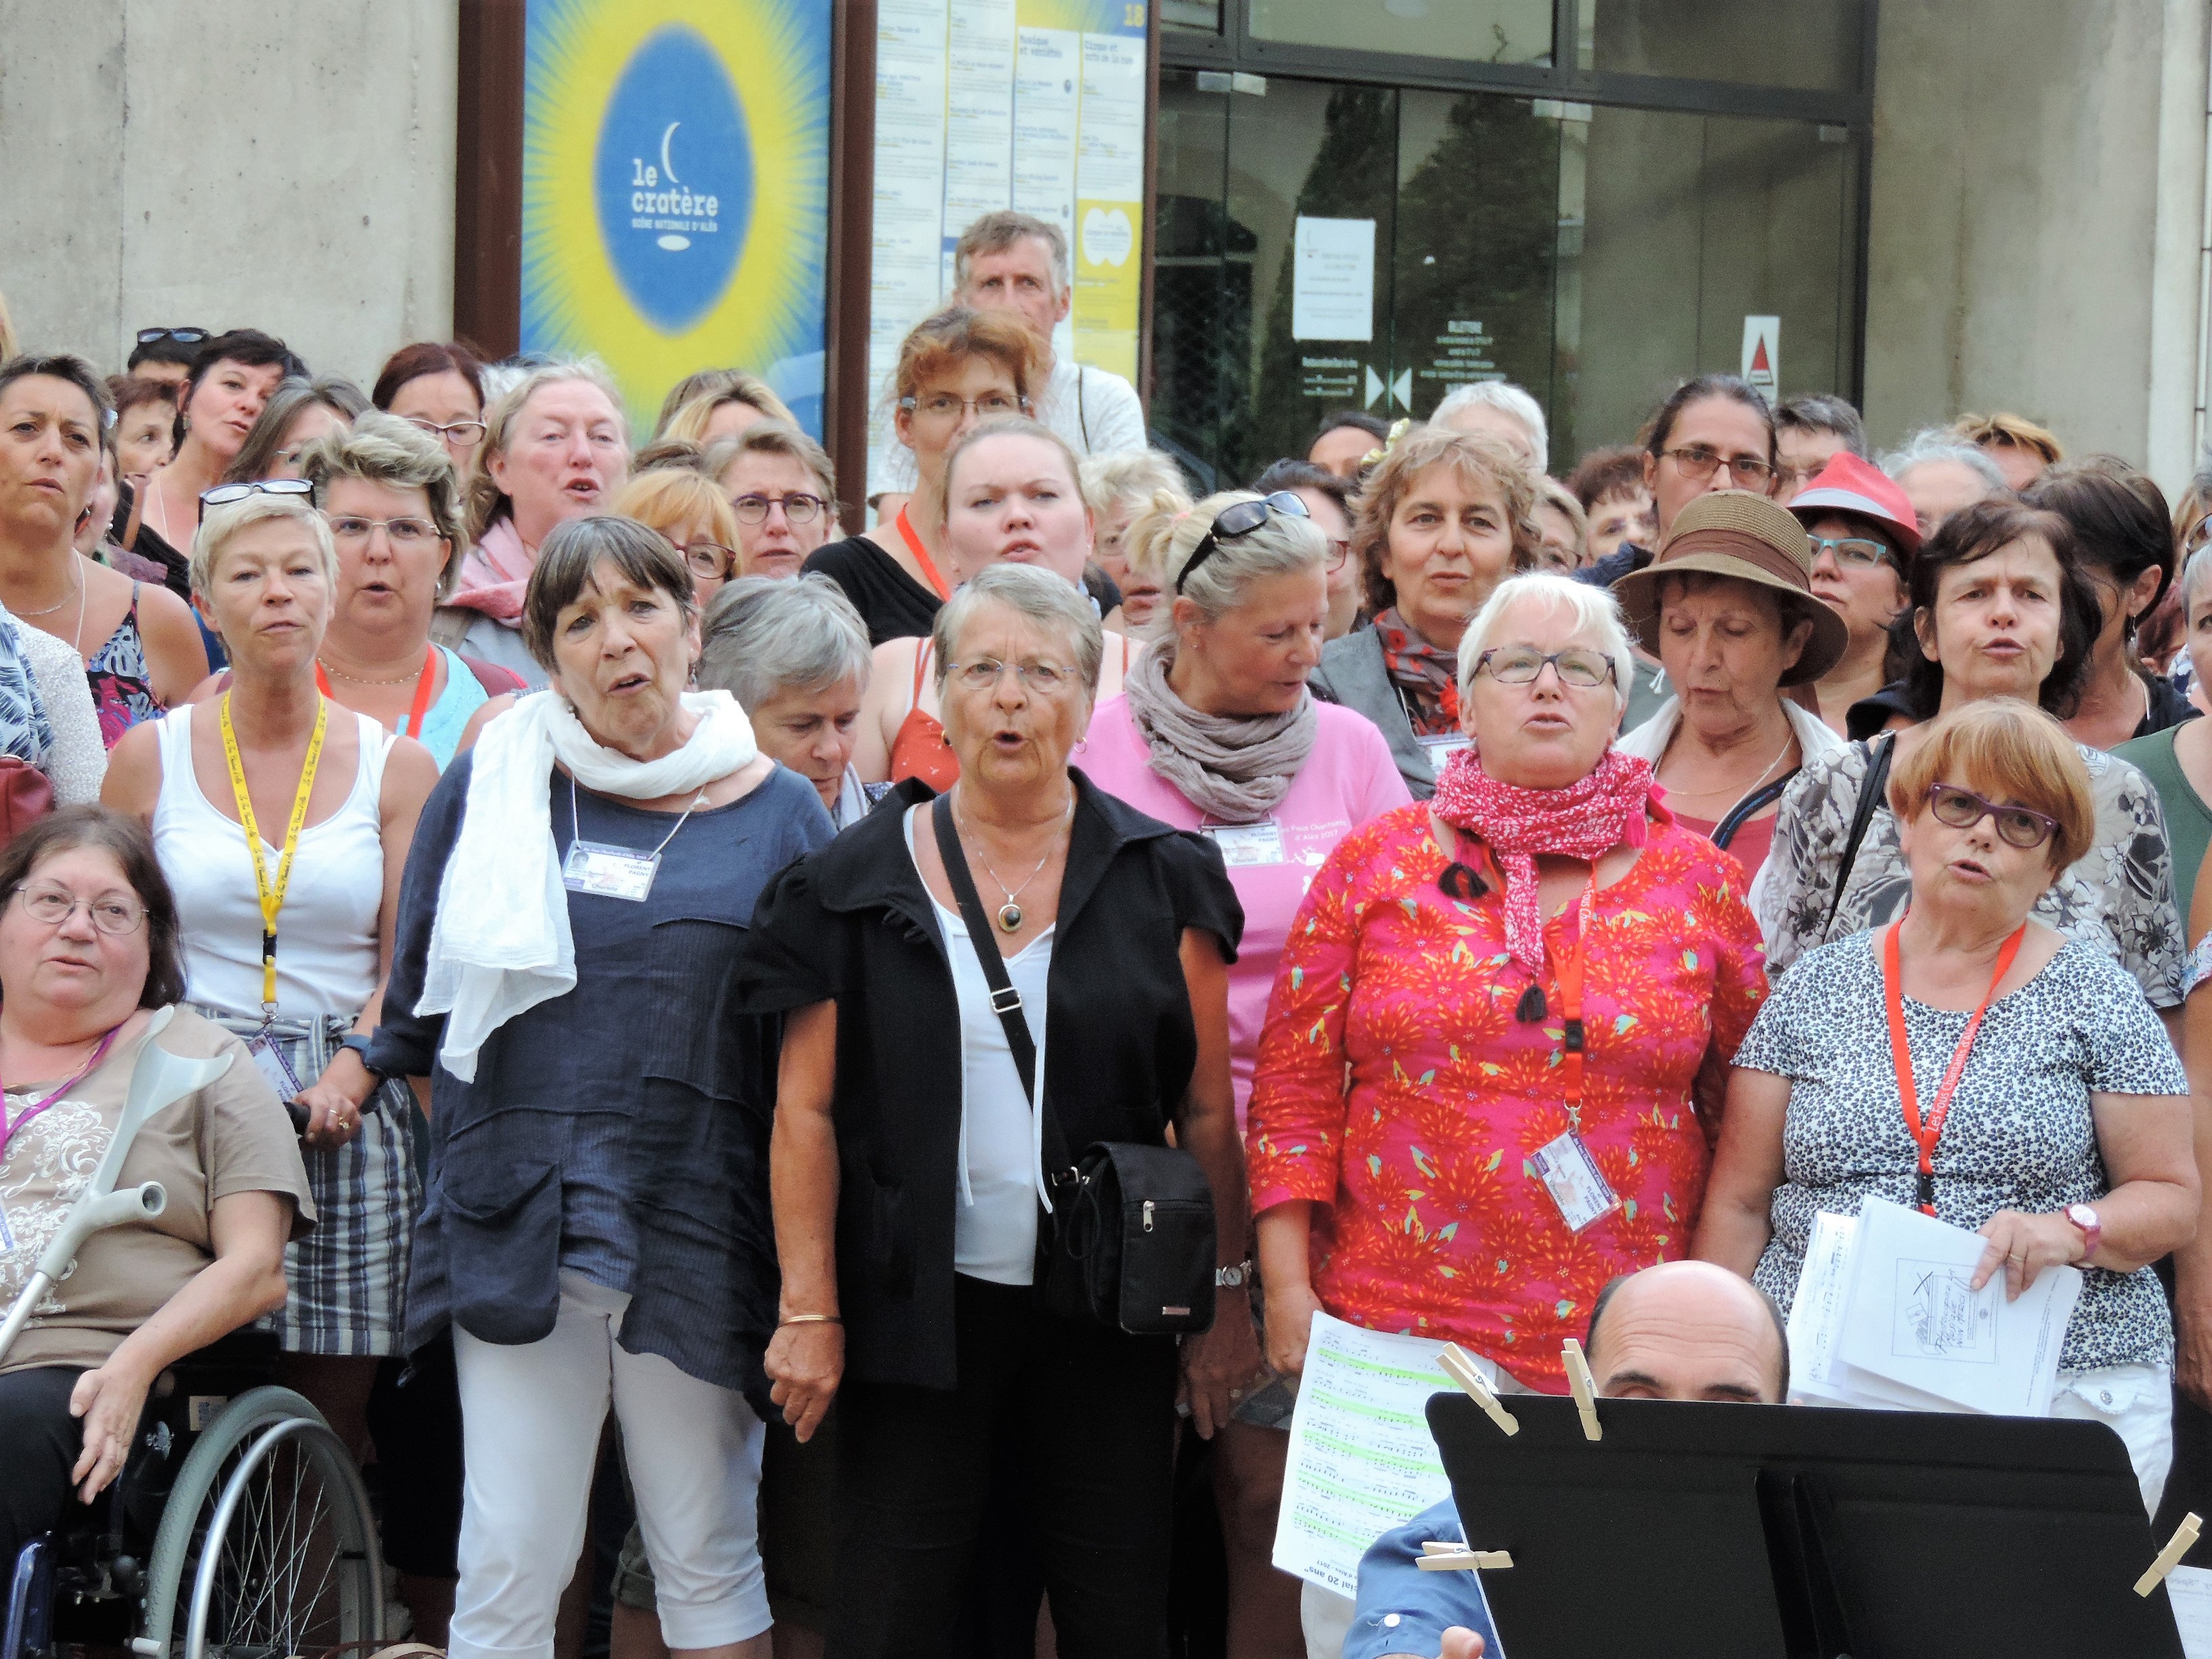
921 555
412 725
1574 1039
1927 1132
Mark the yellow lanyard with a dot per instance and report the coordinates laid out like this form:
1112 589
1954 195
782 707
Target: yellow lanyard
272 896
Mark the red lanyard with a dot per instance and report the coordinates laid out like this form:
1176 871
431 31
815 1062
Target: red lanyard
8 1130
1926 1132
921 555
1575 1039
412 725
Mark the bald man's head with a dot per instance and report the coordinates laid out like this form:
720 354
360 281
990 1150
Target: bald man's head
1688 1330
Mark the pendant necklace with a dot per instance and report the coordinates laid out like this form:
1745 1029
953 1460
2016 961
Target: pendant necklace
1010 913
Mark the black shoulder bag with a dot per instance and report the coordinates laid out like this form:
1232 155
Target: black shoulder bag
1870 793
1131 1242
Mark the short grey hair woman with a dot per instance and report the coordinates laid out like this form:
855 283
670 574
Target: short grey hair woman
579 886
907 1178
300 413
1215 732
1940 473
795 655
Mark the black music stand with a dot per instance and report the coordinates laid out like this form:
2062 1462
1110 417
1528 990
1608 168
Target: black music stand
1709 1531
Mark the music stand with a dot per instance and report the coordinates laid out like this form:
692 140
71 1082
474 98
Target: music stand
1711 1531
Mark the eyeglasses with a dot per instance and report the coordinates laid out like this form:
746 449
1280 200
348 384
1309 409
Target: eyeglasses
402 533
1962 809
799 508
1697 464
181 336
709 560
982 675
224 495
1239 519
1337 553
942 409
467 434
1860 552
2199 533
1511 666
49 907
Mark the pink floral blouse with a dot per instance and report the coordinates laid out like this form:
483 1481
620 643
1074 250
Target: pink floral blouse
1397 1090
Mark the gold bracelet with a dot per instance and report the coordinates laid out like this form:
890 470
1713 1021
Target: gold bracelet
810 1319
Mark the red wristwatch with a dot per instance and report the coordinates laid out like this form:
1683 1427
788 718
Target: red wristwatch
2093 1230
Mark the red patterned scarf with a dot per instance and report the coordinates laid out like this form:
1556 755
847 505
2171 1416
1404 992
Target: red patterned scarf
1584 820
1426 676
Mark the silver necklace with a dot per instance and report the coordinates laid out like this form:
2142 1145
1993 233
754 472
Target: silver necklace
1010 913
62 601
1755 782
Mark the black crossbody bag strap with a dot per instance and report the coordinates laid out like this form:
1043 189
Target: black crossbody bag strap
1005 1001
1870 792
1749 807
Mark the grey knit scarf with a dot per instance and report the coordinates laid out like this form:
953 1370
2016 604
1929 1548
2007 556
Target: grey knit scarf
1234 767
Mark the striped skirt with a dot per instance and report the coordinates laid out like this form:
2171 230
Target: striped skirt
346 1281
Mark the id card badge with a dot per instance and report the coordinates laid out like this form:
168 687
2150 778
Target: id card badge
1570 1175
622 873
1442 749
1243 844
269 1057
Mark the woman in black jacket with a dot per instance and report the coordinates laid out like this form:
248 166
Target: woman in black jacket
907 1168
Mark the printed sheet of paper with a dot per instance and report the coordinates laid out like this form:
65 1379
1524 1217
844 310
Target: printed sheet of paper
1362 1460
1332 279
2189 1591
1817 1376
1912 1319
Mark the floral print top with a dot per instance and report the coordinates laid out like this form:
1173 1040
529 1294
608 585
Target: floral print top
1397 1090
2118 896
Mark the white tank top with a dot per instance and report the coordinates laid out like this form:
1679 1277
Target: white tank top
327 932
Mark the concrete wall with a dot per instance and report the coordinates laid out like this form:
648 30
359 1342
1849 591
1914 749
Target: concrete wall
2038 199
281 164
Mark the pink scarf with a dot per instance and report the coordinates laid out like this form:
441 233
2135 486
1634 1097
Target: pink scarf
494 575
1587 819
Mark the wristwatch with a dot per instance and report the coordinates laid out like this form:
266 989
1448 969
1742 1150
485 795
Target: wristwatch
359 1044
1225 1278
2093 1230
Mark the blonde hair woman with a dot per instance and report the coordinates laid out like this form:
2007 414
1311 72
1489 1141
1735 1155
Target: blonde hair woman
692 516
719 402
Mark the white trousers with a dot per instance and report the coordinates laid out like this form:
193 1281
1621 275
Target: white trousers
2136 1403
531 1417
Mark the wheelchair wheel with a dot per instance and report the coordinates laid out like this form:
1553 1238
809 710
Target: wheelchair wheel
266 1547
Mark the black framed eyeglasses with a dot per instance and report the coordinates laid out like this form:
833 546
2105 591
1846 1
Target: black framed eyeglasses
1239 519
181 336
1962 809
224 495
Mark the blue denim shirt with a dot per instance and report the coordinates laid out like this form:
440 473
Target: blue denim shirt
1403 1610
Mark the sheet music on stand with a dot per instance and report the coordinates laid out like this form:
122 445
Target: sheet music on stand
1885 1317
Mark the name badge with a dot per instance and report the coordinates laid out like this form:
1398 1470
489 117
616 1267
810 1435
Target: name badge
1442 749
1570 1175
1248 844
622 873
268 1055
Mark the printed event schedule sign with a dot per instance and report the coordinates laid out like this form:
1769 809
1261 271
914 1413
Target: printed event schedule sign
1361 1457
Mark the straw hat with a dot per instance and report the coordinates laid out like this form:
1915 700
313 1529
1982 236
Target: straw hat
1732 533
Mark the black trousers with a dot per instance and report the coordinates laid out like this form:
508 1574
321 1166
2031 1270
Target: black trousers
40 1442
1092 1412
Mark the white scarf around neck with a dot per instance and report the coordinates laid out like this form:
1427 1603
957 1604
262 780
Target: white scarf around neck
500 942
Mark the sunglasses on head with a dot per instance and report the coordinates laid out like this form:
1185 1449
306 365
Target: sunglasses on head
1239 519
224 495
181 336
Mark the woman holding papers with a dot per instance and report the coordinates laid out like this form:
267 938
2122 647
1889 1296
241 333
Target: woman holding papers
1982 1068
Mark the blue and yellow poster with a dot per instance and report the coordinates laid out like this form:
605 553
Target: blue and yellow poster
675 190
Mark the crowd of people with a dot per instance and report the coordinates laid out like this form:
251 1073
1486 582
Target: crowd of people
1372 856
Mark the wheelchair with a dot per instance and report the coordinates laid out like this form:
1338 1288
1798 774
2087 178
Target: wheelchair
239 1529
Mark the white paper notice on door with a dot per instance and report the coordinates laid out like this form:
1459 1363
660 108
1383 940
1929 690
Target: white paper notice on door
1361 1459
1333 280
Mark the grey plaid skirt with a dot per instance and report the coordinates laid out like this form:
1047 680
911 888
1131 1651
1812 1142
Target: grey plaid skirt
346 1281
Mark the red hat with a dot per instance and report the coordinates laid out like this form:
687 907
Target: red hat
1848 484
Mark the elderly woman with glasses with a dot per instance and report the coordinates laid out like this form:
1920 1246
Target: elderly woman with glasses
1976 1063
438 388
1490 1075
909 1217
782 488
1216 732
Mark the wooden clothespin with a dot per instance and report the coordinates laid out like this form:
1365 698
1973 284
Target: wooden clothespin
1578 1379
1464 1372
2184 1538
1458 1557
